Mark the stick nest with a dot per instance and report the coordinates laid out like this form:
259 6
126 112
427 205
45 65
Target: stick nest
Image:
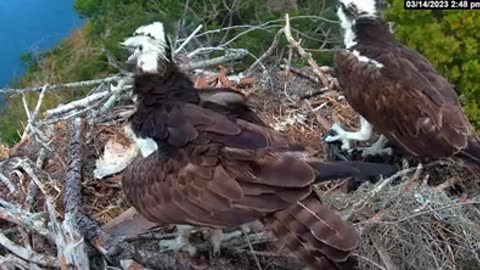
425 217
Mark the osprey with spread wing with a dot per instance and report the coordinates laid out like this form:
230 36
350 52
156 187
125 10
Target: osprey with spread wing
397 91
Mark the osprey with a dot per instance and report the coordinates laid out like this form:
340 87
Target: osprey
207 160
397 91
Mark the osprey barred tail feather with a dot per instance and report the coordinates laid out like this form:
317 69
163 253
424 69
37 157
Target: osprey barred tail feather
314 233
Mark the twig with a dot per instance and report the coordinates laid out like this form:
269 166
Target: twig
30 128
268 52
81 103
265 24
70 115
285 84
187 40
27 220
316 69
57 86
230 55
12 262
27 110
252 250
41 96
117 91
426 212
380 187
382 252
131 264
30 115
324 122
71 248
11 187
32 189
370 261
300 73
29 167
29 255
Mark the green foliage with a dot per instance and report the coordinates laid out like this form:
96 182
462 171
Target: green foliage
450 40
29 60
74 59
113 20
83 55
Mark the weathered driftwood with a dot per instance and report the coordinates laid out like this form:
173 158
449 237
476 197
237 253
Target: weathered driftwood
26 254
73 198
31 222
58 86
71 247
81 103
295 44
230 55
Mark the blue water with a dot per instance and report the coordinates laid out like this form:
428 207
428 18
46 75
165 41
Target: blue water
31 26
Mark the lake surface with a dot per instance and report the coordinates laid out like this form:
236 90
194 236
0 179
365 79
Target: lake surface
31 26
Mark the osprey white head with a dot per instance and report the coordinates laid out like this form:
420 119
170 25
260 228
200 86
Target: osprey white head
149 46
351 10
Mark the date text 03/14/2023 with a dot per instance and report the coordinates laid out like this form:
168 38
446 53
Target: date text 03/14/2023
442 4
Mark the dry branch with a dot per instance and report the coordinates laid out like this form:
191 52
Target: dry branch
379 188
71 248
295 44
27 220
188 39
10 262
268 52
230 55
30 128
382 252
117 92
11 187
59 86
28 255
81 103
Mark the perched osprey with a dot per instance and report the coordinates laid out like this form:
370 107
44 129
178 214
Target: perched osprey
398 92
208 160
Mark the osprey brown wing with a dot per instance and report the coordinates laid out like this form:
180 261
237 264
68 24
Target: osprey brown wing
216 193
229 173
240 187
407 102
218 173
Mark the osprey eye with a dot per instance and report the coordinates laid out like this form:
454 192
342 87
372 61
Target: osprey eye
140 47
